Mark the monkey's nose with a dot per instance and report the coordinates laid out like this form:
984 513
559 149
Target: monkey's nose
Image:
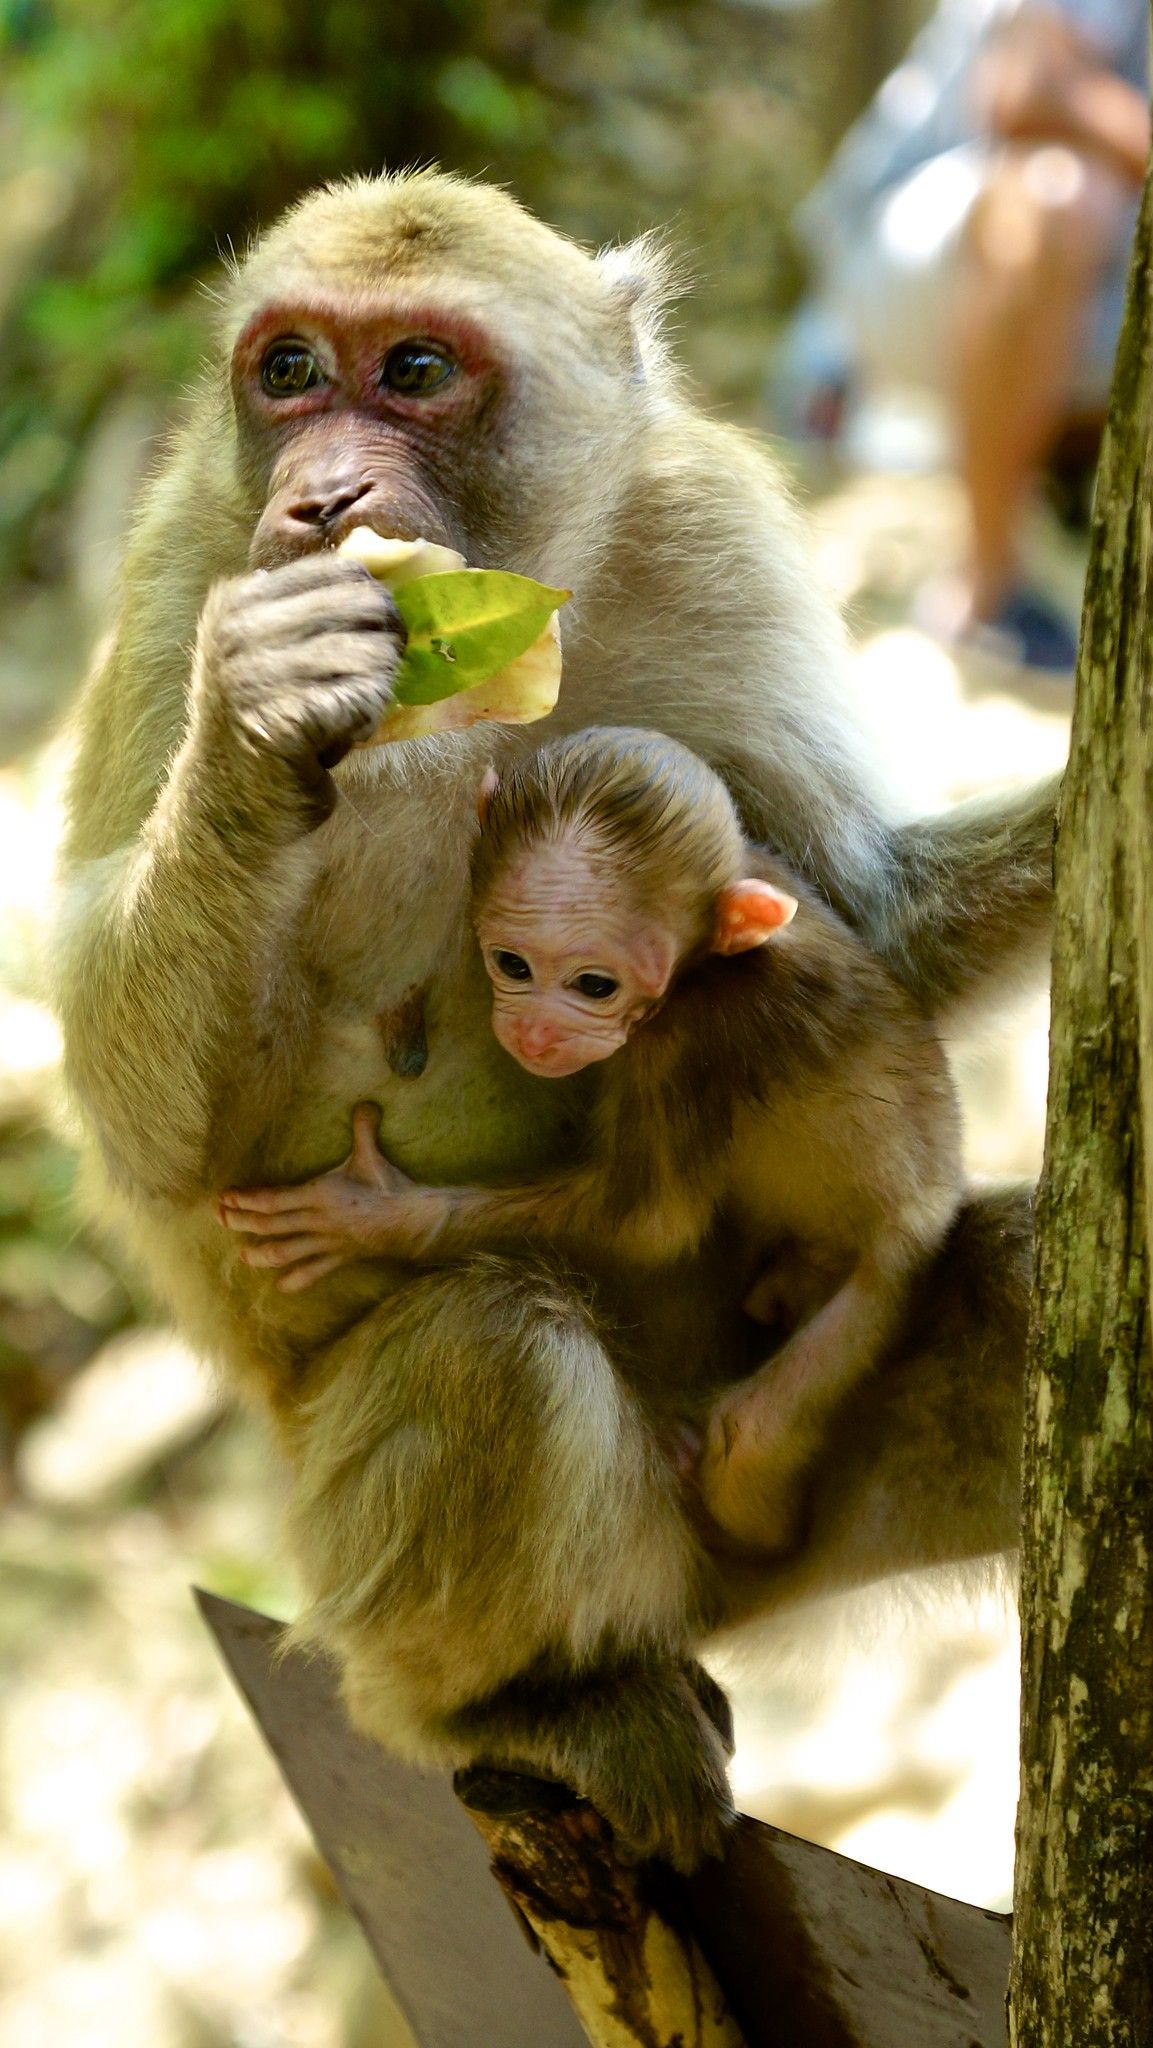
326 505
536 1038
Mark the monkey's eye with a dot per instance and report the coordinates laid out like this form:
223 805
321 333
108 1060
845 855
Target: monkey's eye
513 966
415 369
597 987
288 369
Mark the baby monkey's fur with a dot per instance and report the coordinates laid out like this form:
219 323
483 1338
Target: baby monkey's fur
780 1083
794 1086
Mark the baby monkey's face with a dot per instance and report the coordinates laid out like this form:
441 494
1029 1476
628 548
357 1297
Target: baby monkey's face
573 964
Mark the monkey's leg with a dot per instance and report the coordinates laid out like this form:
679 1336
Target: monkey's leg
765 1433
498 1554
920 1463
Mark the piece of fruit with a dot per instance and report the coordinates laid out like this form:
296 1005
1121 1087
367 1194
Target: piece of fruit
483 644
398 561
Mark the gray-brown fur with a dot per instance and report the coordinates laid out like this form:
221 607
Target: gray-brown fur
239 909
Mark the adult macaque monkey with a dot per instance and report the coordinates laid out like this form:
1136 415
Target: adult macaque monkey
258 931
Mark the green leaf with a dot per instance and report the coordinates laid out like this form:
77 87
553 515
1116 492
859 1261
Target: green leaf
464 625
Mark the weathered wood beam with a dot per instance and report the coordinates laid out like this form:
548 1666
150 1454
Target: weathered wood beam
809 1949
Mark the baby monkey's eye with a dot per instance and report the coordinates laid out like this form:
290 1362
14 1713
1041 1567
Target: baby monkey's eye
512 965
597 987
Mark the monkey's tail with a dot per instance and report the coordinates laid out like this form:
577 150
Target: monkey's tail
970 919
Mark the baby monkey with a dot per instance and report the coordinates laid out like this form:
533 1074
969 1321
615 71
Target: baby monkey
764 1071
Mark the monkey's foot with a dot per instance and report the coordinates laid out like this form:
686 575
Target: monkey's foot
751 1491
645 1744
504 1792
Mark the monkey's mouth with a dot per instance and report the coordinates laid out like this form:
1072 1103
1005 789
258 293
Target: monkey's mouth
561 1060
295 524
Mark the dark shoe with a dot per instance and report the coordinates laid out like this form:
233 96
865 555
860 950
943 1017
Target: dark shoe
1027 632
1030 632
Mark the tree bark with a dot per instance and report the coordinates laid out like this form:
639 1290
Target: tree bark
1083 1966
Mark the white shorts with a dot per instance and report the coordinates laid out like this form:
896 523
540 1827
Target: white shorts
893 288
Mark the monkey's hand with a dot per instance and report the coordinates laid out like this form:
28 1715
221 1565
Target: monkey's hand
293 666
366 1208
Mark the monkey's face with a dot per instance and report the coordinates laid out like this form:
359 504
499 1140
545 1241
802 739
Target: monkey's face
573 965
360 416
421 357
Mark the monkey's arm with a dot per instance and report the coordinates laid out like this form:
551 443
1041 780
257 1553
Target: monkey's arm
174 979
368 1208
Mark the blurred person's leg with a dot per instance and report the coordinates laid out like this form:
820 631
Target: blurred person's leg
1040 238
995 288
891 285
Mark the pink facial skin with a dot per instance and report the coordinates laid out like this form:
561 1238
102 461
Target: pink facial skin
572 965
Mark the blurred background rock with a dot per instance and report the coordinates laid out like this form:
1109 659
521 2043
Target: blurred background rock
156 1890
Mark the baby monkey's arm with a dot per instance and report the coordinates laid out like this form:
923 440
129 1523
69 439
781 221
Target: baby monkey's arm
367 1208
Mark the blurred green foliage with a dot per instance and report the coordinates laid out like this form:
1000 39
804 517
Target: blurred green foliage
58 1298
142 137
171 127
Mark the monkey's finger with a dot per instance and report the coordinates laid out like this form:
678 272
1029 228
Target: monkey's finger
268 1222
303 1222
335 655
302 1276
284 1251
316 571
366 1153
262 1201
685 1446
362 606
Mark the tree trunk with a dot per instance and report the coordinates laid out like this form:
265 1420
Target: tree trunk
1083 1967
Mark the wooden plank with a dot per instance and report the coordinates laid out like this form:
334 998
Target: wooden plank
811 1949
404 1853
817 1950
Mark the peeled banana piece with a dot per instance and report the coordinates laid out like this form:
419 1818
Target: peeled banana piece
484 645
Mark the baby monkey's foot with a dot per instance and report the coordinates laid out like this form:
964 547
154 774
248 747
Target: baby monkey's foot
788 1291
686 1448
747 1478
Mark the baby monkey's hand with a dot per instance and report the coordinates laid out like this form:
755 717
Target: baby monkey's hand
366 1208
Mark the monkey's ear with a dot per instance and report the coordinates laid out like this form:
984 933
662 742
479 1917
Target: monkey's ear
489 784
748 913
645 275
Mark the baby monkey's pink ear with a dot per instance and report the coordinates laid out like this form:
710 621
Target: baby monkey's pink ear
748 913
489 784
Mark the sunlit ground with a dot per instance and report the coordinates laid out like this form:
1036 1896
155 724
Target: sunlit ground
156 1888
